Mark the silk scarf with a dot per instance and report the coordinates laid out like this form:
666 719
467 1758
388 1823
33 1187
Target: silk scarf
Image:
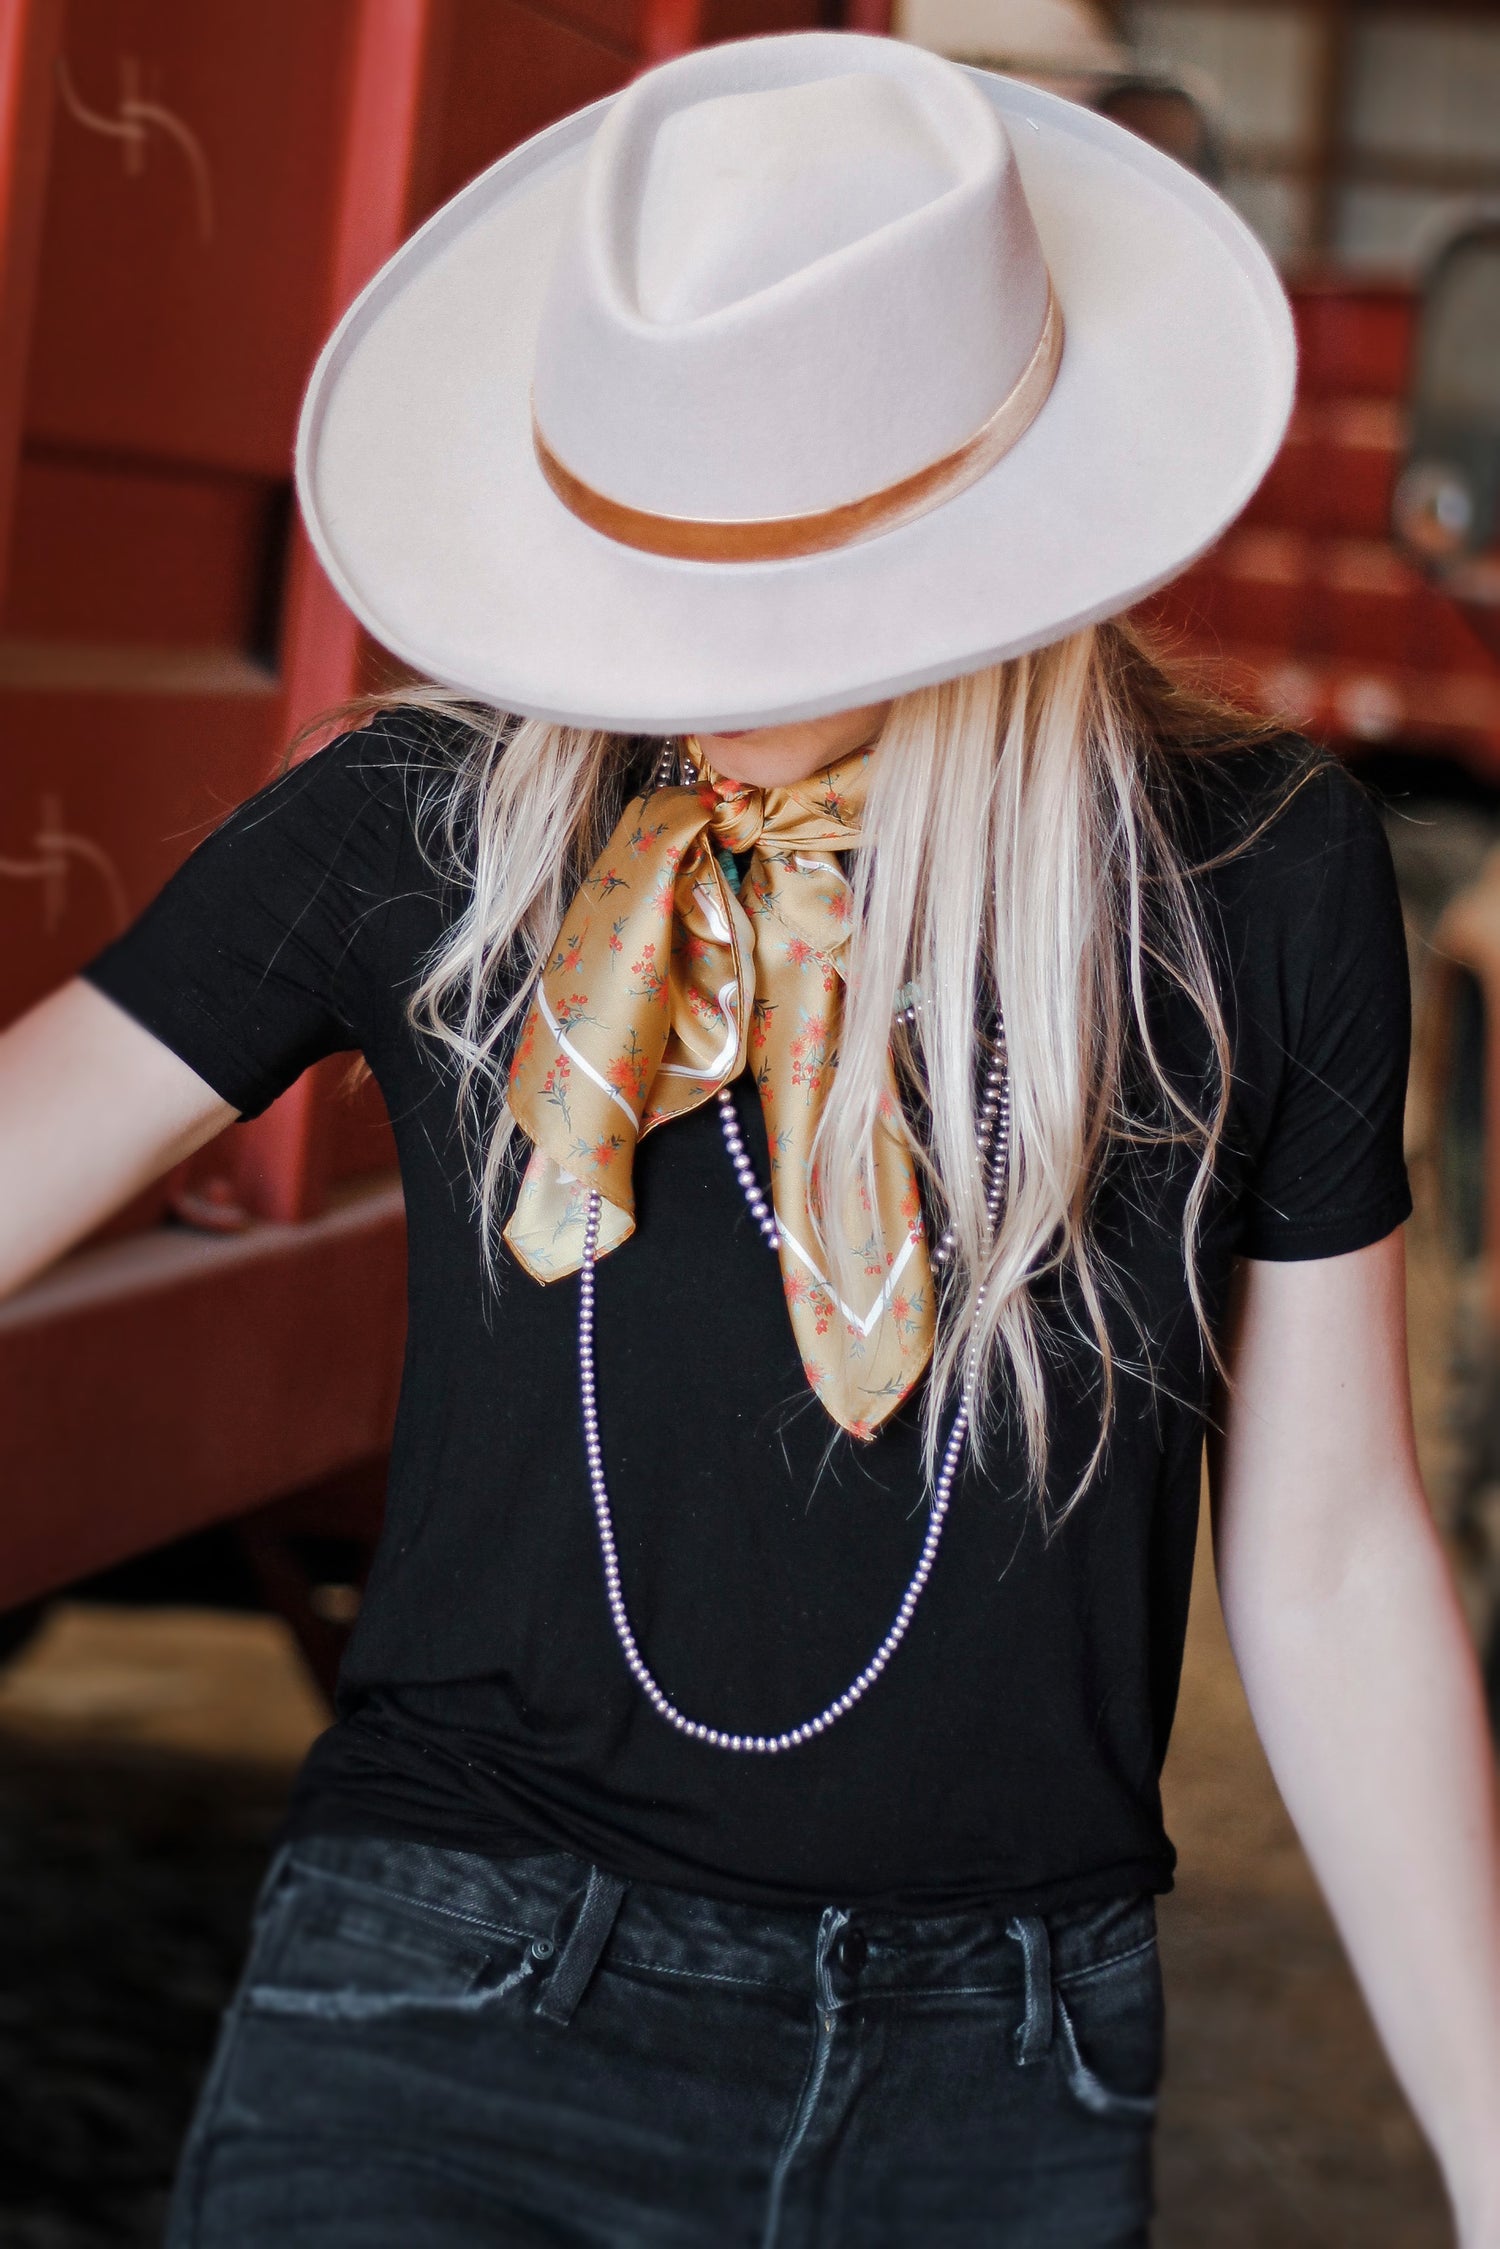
663 985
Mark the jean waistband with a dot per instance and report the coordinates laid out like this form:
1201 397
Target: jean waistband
543 1898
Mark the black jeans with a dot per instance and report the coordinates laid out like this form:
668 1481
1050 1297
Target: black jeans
432 2050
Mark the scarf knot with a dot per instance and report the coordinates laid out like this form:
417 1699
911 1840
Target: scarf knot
736 813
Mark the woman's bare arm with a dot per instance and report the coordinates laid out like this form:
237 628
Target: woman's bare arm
92 1108
1347 1631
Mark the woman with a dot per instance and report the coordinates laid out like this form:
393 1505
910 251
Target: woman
850 1161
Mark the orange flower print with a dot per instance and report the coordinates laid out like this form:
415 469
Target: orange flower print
664 894
627 1073
573 1009
525 1045
868 1251
653 983
831 804
601 1153
798 951
555 1087
615 941
567 958
810 1053
646 839
606 882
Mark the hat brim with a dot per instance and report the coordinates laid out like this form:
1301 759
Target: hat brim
422 495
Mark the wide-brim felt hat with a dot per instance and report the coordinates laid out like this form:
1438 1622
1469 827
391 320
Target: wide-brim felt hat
806 371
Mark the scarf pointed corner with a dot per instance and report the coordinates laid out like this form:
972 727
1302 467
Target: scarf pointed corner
547 1229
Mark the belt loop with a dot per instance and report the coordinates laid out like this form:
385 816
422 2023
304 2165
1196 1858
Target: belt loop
1034 2036
583 1947
831 1925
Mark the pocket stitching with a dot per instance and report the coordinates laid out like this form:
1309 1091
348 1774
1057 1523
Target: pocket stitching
310 1867
1107 2103
456 1958
1094 1968
369 2006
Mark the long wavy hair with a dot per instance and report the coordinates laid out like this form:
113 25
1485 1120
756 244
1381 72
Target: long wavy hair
1019 853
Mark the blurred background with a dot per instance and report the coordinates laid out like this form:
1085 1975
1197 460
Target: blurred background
195 1407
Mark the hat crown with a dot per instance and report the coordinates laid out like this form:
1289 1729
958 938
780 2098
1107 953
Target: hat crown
798 271
743 190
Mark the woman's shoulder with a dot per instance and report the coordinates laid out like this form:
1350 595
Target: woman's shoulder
361 805
1272 814
390 759
1288 855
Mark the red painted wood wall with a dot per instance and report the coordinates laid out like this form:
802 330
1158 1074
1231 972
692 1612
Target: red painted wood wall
1307 607
188 197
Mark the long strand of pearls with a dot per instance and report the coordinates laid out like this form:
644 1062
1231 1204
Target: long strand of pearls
994 1120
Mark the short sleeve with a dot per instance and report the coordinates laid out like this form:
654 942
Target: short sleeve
1331 1176
249 963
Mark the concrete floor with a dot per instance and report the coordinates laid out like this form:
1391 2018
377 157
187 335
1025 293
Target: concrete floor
143 1758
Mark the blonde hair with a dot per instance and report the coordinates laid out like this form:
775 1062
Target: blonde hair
1019 852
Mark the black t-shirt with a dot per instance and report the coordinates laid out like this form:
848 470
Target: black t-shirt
1011 1752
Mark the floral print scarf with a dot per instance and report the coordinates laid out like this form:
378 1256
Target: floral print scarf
663 985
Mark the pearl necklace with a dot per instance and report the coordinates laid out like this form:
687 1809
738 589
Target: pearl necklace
993 1138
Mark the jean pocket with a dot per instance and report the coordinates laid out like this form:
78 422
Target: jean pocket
1109 2035
330 1949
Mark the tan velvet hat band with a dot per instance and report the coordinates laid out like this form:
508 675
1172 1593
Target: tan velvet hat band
781 538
